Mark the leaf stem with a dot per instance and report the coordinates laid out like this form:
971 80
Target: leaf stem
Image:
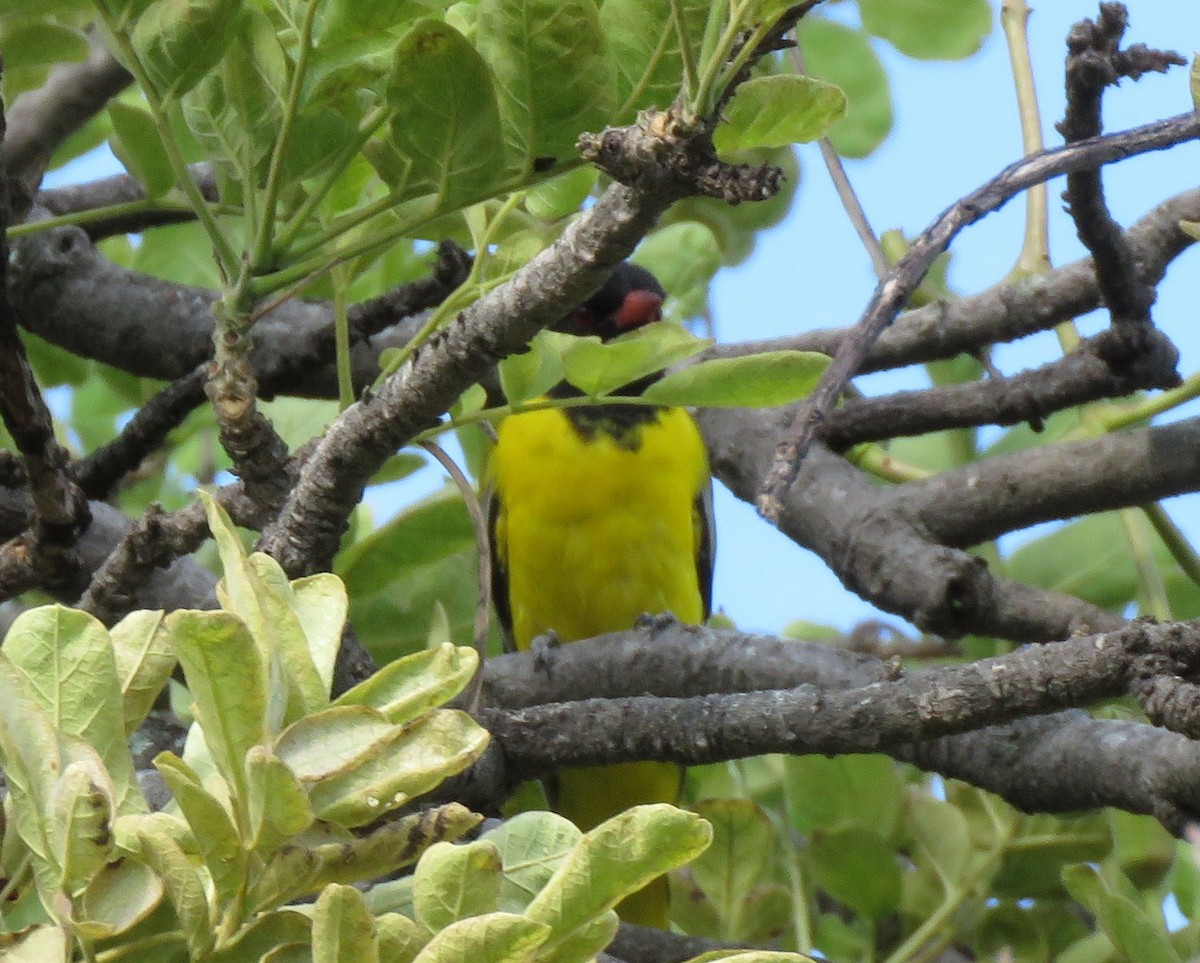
264 238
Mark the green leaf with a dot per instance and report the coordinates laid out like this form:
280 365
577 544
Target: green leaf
779 110
400 939
1191 228
426 532
227 678
453 882
857 868
561 195
1032 868
684 256
752 381
532 846
333 741
1136 933
1194 81
415 760
494 938
941 834
644 45
929 29
553 75
137 145
739 857
598 368
343 928
184 888
321 604
81 823
306 866
45 943
845 792
29 751
445 120
68 660
262 935
410 686
210 823
843 56
144 659
278 805
179 41
534 371
37 42
617 858
119 897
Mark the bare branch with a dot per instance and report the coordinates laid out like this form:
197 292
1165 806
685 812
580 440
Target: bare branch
894 290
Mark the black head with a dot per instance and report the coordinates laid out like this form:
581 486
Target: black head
630 299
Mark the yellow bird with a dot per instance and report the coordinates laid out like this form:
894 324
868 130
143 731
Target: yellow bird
600 514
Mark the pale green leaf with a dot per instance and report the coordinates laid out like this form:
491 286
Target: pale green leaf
553 75
1194 81
226 676
453 882
534 371
617 858
144 657
80 822
494 938
38 42
400 939
445 122
411 685
118 897
1191 228
343 928
210 823
277 803
751 381
1137 933
779 110
304 866
532 847
321 604
858 869
46 943
561 195
184 888
739 857
440 744
68 660
942 836
333 741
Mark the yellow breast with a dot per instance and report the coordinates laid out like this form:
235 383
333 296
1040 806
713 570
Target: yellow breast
596 529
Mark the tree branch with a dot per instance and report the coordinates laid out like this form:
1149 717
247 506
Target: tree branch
894 290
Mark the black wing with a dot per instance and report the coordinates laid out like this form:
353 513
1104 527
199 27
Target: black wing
706 545
501 601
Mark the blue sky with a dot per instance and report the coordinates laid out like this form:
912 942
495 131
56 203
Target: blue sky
956 126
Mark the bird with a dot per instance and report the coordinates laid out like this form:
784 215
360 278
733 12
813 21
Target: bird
598 515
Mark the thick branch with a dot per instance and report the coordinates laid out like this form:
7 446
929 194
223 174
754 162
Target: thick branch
310 527
40 120
873 545
980 501
1083 375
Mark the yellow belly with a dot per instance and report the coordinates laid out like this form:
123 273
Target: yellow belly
593 533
